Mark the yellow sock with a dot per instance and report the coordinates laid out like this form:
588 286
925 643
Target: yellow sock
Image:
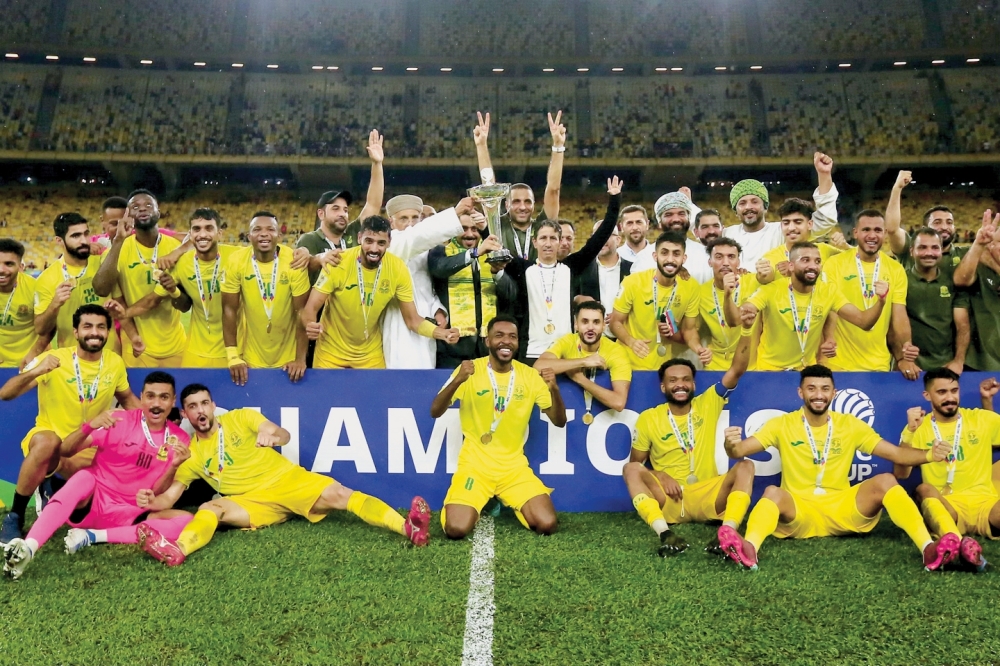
198 532
762 522
650 511
938 518
374 511
905 514
736 508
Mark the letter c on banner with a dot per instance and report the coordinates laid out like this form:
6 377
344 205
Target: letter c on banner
754 423
597 440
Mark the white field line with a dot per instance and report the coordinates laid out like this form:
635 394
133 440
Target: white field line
478 647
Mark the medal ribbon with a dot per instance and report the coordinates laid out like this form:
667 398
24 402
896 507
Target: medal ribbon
952 458
213 284
499 407
550 291
687 445
6 309
801 326
87 394
817 460
527 242
156 252
146 433
367 300
591 373
266 291
221 454
72 278
656 306
867 290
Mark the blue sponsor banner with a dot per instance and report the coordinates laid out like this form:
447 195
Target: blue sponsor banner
372 430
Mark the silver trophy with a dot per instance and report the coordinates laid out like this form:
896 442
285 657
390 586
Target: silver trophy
489 195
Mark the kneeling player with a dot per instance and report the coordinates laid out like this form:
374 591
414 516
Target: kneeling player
138 452
257 485
815 499
678 440
497 397
957 495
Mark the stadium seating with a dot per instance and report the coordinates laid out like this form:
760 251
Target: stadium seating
326 28
20 93
843 26
969 22
973 104
477 28
704 28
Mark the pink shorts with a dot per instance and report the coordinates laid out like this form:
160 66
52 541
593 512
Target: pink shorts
108 510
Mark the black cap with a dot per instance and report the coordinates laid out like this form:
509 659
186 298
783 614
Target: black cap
328 197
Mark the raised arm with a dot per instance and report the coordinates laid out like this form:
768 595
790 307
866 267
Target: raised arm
21 383
741 360
271 434
825 197
865 319
580 260
376 187
737 447
107 275
445 396
46 321
692 338
965 273
557 411
553 181
430 233
893 214
480 135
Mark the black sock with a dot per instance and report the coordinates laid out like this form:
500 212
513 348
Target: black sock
56 482
20 506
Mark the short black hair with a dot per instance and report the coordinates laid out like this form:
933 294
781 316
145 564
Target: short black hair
498 319
939 373
820 371
205 214
264 213
723 240
794 205
135 193
159 377
801 245
868 212
936 209
375 224
91 309
633 208
588 305
12 246
191 389
675 237
676 361
64 221
927 231
114 203
710 212
566 223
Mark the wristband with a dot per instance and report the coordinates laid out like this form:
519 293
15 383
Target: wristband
86 429
426 329
176 293
746 332
930 455
233 357
907 436
558 149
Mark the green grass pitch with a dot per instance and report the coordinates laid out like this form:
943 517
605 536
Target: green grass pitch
341 592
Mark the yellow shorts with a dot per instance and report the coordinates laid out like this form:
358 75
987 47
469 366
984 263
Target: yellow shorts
471 486
973 511
698 503
292 494
191 360
147 361
324 359
83 458
833 514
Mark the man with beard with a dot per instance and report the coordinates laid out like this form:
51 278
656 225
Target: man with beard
256 485
602 280
131 265
817 449
939 316
979 275
656 308
75 384
796 225
682 483
333 233
470 288
498 395
137 453
719 301
634 224
567 237
869 350
68 282
517 225
674 211
582 355
264 294
957 495
750 201
356 294
19 342
939 218
794 313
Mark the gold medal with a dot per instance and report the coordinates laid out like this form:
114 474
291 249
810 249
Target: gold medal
661 350
268 327
550 328
588 418
161 453
157 274
486 438
171 440
692 479
72 283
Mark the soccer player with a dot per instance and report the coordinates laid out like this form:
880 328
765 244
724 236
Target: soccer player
869 350
650 305
131 265
720 300
137 453
796 225
815 499
75 384
18 341
682 483
257 485
581 355
498 394
68 282
356 294
794 313
261 280
957 495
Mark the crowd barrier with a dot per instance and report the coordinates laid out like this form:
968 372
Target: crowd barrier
372 430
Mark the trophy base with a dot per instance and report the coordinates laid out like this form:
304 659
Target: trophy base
501 256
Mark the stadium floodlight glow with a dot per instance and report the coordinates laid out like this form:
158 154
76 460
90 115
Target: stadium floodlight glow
661 69
548 69
845 65
899 63
412 69
583 69
721 68
10 55
237 64
676 69
89 59
756 67
377 69
145 62
972 60
272 67
52 57
446 69
332 68
199 64
617 69
317 66
497 70
937 62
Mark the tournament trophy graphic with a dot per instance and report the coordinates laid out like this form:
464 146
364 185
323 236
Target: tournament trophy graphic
489 195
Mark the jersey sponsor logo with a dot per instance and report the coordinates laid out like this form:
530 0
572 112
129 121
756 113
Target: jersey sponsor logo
133 265
850 277
483 392
649 302
797 442
667 436
350 286
855 403
784 310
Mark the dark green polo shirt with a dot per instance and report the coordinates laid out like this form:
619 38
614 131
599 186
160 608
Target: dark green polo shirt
929 304
984 312
507 232
317 243
948 262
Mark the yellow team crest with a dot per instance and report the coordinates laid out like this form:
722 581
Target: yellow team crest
944 291
383 287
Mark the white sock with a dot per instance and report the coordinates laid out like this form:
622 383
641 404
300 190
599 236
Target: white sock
660 526
98 536
731 523
32 545
924 547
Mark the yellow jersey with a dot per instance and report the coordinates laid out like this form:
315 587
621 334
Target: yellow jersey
859 350
203 285
782 346
82 294
974 458
160 328
778 254
570 347
506 448
788 434
352 332
61 408
635 298
263 348
654 433
17 322
723 338
246 466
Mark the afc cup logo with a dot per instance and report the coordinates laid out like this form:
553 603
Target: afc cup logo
856 403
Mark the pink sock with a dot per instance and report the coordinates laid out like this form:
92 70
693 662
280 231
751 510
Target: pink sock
168 527
55 514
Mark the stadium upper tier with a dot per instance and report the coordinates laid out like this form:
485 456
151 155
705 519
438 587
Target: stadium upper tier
329 114
517 28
